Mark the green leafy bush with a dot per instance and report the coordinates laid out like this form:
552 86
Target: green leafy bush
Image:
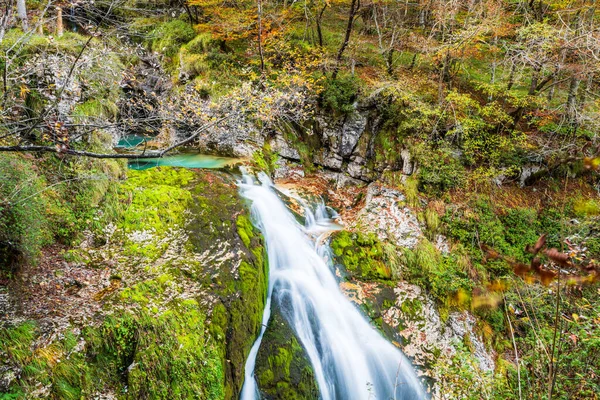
23 223
439 170
440 274
340 94
266 159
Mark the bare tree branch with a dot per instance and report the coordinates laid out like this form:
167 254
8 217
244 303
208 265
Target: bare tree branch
83 153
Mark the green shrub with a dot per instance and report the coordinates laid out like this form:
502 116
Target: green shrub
442 275
340 94
23 224
204 43
439 170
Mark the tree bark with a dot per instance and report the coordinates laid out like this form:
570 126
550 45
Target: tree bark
22 14
572 100
260 49
351 15
413 61
59 22
5 18
390 62
319 20
511 76
534 80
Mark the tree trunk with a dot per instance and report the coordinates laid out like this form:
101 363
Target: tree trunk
22 14
351 15
4 19
59 22
260 49
511 76
390 62
572 100
319 20
193 19
534 80
413 61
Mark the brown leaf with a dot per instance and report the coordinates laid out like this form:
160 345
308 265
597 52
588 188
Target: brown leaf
538 245
561 259
536 264
573 338
491 253
520 269
546 276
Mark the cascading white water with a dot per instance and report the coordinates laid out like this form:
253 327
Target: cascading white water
350 359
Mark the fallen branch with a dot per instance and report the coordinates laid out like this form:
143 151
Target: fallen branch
83 153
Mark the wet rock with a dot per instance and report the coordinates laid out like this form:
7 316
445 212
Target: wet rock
283 369
386 215
328 159
341 179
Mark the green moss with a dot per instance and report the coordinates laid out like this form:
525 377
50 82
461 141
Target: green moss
283 370
218 218
169 36
156 201
156 342
265 159
57 366
69 43
102 108
362 255
244 229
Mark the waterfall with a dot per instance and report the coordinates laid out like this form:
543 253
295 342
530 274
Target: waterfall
350 359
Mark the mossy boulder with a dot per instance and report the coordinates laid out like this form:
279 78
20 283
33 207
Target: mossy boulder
283 370
181 285
219 223
362 255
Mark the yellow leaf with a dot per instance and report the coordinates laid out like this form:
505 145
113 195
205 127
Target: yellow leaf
24 91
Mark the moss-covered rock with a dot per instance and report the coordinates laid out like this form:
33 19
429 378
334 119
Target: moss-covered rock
219 223
182 279
361 254
283 370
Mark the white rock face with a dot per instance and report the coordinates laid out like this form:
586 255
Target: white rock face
426 337
407 165
284 149
386 215
353 128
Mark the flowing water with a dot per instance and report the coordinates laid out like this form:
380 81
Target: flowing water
350 359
